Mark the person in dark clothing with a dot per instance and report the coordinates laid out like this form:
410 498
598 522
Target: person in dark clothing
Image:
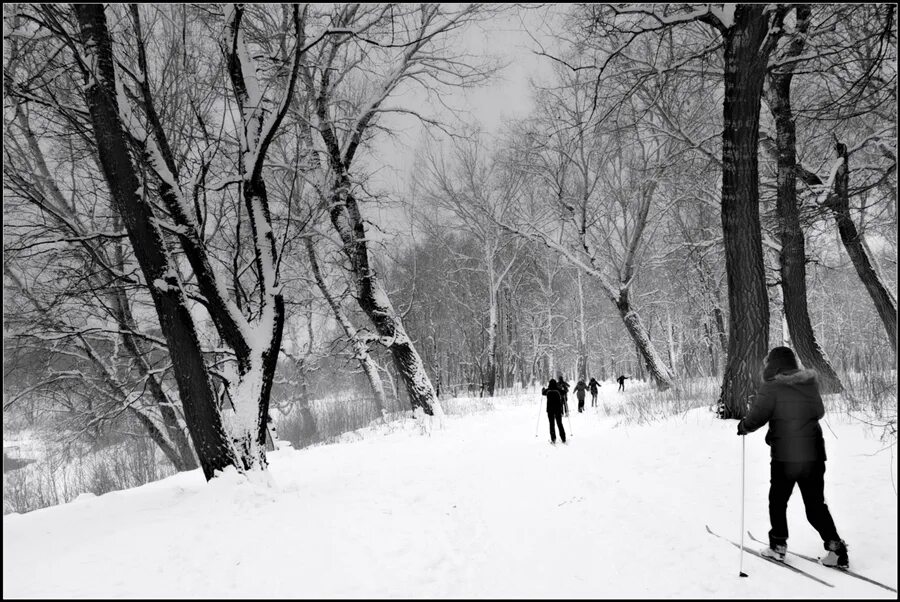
580 388
593 385
554 410
621 381
789 401
563 387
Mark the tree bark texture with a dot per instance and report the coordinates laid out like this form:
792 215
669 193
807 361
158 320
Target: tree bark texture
748 301
792 257
645 350
196 391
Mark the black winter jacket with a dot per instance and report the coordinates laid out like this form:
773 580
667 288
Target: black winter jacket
554 400
791 404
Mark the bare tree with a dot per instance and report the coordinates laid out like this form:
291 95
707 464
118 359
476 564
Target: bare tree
357 339
384 47
122 104
476 188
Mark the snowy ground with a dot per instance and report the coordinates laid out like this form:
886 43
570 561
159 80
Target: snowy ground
478 508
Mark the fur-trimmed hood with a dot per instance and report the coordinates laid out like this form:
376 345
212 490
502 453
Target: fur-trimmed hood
796 377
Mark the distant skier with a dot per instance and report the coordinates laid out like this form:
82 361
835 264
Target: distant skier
580 388
563 387
788 399
593 385
621 381
554 410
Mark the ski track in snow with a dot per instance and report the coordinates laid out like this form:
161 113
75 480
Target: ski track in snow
480 508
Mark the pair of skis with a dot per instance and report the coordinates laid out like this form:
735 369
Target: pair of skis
798 570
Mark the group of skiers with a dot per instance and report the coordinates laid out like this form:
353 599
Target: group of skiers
557 393
788 400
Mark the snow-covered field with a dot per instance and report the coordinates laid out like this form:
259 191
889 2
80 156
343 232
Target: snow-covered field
478 507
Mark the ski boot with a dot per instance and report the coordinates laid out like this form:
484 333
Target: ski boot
775 552
837 554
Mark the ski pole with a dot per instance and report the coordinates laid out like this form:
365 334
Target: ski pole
569 420
741 572
538 424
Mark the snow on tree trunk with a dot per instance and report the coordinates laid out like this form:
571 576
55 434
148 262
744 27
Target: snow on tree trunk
655 365
839 203
348 222
197 395
359 345
748 301
792 256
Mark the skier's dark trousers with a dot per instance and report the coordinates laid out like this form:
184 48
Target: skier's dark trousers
579 393
789 401
554 410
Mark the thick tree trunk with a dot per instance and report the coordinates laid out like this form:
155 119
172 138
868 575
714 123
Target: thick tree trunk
197 395
647 354
839 203
792 257
748 301
121 305
271 301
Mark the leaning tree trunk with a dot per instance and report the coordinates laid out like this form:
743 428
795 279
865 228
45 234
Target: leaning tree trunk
359 345
839 203
748 301
194 386
792 257
348 222
647 354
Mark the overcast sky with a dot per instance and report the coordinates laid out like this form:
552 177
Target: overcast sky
507 38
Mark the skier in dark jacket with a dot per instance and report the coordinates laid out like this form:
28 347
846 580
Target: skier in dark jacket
580 388
563 387
789 401
621 381
554 410
593 385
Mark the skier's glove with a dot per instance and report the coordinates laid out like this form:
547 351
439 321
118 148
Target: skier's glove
741 430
